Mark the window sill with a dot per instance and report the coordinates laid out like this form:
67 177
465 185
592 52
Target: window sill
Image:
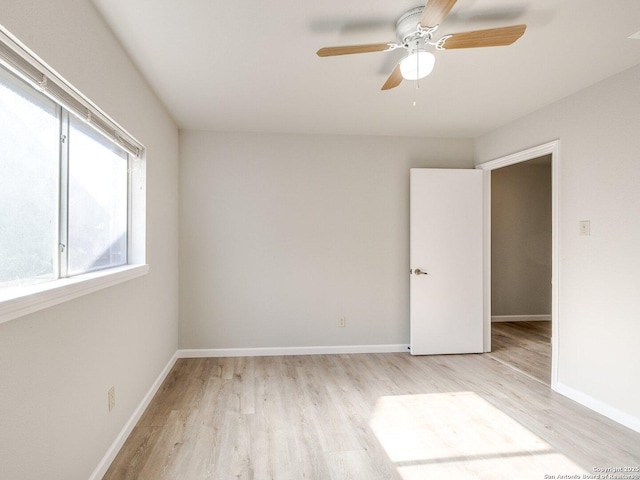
37 297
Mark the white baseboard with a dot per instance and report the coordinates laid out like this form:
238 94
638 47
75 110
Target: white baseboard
520 318
598 406
277 351
117 444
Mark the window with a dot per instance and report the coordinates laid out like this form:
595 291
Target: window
97 202
71 189
29 152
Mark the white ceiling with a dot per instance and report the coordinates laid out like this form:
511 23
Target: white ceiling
251 65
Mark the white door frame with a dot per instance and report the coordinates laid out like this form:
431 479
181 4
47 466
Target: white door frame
552 148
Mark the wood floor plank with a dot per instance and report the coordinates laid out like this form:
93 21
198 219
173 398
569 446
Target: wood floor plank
525 346
378 416
135 453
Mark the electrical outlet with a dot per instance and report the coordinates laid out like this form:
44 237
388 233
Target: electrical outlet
112 398
585 228
342 322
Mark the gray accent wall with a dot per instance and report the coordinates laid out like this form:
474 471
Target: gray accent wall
281 235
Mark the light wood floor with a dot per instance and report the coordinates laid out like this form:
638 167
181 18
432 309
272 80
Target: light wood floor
367 416
525 346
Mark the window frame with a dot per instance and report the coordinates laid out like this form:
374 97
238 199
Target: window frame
30 69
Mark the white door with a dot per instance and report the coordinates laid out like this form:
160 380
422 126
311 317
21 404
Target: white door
446 218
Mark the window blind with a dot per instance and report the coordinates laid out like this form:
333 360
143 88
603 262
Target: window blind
21 61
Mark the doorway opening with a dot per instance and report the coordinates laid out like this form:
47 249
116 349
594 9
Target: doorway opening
521 267
521 260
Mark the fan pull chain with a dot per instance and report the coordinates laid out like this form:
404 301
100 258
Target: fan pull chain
417 64
415 102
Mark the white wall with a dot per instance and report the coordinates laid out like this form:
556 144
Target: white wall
599 317
521 238
57 365
283 234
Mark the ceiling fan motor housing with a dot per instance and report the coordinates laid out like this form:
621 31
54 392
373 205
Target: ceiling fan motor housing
407 25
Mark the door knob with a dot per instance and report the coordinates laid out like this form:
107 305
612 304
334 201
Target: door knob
417 271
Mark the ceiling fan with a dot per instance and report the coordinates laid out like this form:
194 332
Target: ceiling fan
415 30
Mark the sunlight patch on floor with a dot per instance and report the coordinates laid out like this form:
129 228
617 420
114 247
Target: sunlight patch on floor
461 435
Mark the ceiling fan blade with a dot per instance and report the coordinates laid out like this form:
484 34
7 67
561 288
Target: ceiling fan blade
349 49
492 37
435 12
394 79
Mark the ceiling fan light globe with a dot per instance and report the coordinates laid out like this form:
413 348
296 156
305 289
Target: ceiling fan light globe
417 65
